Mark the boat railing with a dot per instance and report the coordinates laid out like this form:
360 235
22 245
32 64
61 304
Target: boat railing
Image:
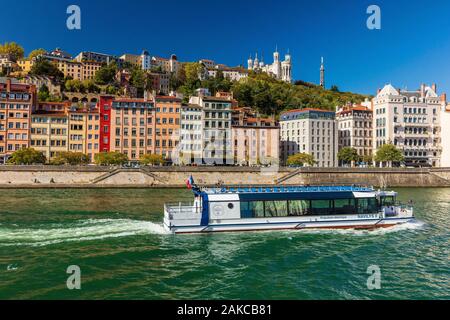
182 210
284 189
398 209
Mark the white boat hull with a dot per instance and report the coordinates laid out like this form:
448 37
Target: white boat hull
320 222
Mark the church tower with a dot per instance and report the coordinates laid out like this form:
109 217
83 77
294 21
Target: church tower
276 67
250 63
322 74
286 68
256 62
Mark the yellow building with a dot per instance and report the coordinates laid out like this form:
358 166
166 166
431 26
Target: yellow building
89 69
84 128
78 70
49 128
70 69
133 59
25 65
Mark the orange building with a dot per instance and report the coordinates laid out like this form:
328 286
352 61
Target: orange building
16 104
131 127
140 126
84 131
166 124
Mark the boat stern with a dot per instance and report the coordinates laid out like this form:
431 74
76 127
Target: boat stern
182 216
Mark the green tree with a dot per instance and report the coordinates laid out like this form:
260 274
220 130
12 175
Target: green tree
193 70
90 86
367 159
334 88
43 67
13 49
141 80
71 158
27 156
111 89
106 74
36 52
389 153
75 86
348 155
110 158
152 159
43 93
301 159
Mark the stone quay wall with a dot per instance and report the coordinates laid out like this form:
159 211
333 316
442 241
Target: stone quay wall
173 177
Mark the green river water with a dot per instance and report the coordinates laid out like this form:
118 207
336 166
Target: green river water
117 240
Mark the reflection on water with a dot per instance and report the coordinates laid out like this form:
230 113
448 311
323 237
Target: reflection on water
116 238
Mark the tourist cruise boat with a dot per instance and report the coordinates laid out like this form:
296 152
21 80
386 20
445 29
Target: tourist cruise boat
286 208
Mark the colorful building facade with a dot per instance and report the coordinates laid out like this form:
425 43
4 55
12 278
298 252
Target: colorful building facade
311 131
16 104
355 129
49 128
255 139
131 127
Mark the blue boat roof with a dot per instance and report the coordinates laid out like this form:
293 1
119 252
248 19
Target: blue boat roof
288 189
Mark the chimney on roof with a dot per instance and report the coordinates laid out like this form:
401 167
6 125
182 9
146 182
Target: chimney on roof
444 98
434 87
422 90
378 91
8 84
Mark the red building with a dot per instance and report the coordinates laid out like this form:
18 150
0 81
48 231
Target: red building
105 105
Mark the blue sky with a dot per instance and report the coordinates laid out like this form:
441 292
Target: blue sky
413 45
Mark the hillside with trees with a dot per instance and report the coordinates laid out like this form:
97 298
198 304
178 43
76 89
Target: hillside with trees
271 96
266 94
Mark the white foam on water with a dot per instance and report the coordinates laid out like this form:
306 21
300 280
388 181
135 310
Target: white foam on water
12 267
84 230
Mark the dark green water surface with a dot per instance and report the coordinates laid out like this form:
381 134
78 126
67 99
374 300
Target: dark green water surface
116 238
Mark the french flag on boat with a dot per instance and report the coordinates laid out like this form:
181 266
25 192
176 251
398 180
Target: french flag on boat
190 182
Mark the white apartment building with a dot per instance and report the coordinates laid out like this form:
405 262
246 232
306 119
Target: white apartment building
311 131
216 129
445 121
191 133
146 60
411 121
354 124
233 74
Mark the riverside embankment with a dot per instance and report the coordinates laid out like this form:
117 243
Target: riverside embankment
173 177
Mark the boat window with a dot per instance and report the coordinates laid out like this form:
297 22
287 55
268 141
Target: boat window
345 206
388 201
321 207
368 205
293 208
253 209
230 206
276 209
299 207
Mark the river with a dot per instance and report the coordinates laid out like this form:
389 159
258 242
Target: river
117 240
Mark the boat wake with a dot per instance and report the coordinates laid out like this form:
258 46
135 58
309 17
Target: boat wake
84 230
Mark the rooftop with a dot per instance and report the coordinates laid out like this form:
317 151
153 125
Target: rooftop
291 189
